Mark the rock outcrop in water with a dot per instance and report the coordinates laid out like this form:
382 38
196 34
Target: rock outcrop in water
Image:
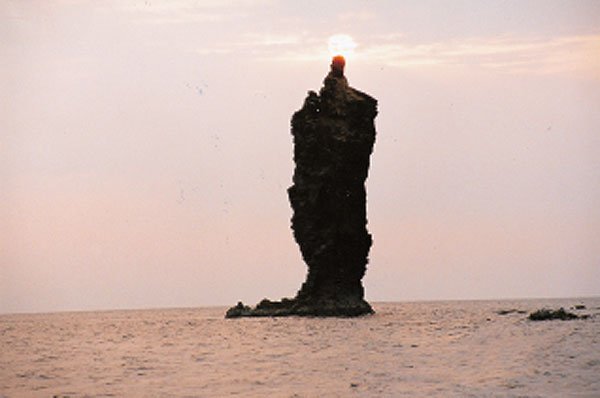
334 133
548 315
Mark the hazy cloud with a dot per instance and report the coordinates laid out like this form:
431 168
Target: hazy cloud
357 16
510 53
176 12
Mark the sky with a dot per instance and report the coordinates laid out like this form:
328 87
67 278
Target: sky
145 148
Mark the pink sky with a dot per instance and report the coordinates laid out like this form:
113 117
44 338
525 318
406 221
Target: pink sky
145 148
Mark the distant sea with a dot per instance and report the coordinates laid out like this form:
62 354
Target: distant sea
413 349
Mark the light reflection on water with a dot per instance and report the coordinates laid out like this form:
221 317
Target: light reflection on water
462 348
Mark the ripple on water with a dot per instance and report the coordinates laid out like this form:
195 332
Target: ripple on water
405 349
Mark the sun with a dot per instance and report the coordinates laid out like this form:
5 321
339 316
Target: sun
341 44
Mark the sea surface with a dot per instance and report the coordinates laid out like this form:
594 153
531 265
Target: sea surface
413 349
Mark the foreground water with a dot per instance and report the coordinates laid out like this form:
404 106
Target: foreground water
445 349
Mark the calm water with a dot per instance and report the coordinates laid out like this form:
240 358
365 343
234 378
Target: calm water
445 349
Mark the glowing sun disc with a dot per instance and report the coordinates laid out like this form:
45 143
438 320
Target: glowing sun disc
341 45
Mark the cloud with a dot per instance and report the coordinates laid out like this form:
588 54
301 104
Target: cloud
579 54
183 11
300 47
511 54
357 16
506 54
267 40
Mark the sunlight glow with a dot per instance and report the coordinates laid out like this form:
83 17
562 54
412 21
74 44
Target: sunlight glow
341 44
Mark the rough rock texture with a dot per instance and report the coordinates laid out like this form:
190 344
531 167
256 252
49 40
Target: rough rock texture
548 315
334 133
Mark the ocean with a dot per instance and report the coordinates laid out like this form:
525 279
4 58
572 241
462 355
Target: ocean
411 349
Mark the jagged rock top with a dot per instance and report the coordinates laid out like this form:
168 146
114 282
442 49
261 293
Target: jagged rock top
336 95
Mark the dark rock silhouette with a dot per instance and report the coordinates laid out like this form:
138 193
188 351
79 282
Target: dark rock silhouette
334 133
547 315
510 311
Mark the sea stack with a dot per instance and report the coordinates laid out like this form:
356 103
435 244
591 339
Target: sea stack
334 133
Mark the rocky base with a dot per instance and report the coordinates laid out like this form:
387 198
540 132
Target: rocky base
294 307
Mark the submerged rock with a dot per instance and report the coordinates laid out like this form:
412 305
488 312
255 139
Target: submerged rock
511 311
334 133
546 315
